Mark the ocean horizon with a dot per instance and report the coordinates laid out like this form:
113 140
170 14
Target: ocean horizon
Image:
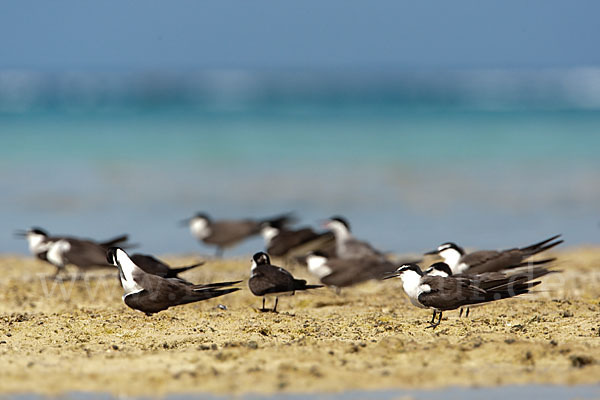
413 159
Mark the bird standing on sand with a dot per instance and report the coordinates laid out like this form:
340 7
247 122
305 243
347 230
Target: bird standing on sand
347 246
228 233
60 251
449 293
270 280
150 293
485 280
491 260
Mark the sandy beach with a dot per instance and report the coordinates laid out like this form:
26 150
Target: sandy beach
58 337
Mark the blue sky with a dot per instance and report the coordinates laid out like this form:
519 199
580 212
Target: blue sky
280 34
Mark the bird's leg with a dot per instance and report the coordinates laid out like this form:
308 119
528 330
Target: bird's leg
275 306
467 314
263 309
433 324
460 313
433 318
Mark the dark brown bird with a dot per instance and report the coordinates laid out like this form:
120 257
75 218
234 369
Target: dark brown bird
266 280
491 260
228 233
61 250
449 293
290 243
150 293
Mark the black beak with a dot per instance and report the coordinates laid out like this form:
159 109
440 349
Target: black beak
20 233
184 222
393 275
432 252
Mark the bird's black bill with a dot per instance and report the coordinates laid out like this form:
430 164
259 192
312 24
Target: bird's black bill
390 276
184 222
432 252
20 233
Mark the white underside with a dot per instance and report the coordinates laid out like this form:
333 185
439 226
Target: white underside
56 253
268 233
411 283
318 267
37 243
199 228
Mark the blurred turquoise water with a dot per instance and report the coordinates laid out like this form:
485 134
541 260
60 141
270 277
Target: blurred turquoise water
408 172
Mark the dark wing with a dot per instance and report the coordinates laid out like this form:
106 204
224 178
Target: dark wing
287 240
450 293
491 261
359 249
271 279
86 254
225 233
160 294
116 241
151 265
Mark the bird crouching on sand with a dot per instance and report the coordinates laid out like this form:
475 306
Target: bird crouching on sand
270 280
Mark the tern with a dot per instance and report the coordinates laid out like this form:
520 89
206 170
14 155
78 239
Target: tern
39 241
150 293
449 293
227 233
486 280
491 260
270 280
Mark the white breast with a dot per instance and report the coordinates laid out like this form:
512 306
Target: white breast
56 252
268 233
199 228
411 283
37 243
127 266
318 267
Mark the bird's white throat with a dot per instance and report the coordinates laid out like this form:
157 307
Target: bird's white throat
37 243
127 267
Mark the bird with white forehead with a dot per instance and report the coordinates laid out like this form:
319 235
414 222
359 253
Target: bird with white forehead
61 251
441 293
460 261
